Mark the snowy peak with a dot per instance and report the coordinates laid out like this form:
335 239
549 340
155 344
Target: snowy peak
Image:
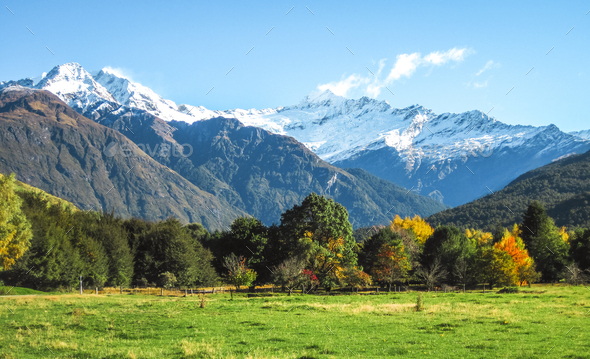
70 79
321 98
585 134
76 87
137 96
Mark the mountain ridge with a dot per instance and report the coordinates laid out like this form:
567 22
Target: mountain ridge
412 147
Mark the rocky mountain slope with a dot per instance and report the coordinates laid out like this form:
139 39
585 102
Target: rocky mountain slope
50 146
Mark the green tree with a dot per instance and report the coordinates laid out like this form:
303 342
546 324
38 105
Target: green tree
238 273
95 263
15 229
110 232
383 255
449 245
55 262
545 245
580 248
203 260
249 237
320 231
167 280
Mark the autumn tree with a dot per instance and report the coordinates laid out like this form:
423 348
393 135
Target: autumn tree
512 244
419 226
15 229
479 238
319 231
383 256
496 267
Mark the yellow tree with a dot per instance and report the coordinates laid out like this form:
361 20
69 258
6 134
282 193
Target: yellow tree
563 234
420 227
478 237
15 229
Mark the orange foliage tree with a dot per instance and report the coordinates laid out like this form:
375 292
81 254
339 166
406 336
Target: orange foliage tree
391 265
512 244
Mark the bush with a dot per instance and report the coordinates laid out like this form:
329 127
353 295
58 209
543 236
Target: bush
506 290
167 280
419 303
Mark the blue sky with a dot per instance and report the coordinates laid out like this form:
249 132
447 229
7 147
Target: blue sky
447 56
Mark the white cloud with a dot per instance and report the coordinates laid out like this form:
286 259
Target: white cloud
479 85
440 58
490 64
117 71
405 66
342 87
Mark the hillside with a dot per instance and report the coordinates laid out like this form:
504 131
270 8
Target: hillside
23 189
265 174
562 187
50 146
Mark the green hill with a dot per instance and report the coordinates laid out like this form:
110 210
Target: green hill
562 187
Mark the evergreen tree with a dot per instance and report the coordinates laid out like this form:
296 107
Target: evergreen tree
580 248
545 245
498 233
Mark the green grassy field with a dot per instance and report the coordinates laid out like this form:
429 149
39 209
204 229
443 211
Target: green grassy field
18 291
528 324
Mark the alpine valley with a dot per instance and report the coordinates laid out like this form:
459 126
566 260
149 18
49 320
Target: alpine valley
374 159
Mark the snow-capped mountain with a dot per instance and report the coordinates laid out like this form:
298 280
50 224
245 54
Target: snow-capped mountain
451 157
585 134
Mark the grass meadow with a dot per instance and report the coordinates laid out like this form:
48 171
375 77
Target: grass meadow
542 321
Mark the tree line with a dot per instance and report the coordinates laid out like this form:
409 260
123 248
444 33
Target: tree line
47 245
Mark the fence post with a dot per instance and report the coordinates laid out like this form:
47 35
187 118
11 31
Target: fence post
96 290
463 288
121 289
162 291
484 289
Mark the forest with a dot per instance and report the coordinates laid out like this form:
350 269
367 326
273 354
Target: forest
47 244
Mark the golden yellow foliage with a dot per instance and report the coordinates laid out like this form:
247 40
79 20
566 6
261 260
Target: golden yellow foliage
564 235
479 237
420 227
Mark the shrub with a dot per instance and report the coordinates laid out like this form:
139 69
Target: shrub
508 290
419 303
